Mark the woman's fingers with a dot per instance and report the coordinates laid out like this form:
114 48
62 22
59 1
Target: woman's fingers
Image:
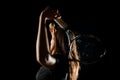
51 13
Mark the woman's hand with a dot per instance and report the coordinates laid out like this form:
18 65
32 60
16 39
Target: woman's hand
50 13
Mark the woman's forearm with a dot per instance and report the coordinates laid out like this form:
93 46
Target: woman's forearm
40 34
42 45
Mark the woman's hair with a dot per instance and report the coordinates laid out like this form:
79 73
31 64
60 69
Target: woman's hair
74 64
62 45
62 41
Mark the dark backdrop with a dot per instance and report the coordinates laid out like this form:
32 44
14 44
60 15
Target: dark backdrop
83 17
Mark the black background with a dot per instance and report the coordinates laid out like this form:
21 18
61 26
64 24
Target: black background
83 17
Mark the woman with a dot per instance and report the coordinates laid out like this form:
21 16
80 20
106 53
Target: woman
57 60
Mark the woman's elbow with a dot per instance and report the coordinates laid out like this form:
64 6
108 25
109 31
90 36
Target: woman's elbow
48 62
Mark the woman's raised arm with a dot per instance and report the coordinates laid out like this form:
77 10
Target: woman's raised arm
42 46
